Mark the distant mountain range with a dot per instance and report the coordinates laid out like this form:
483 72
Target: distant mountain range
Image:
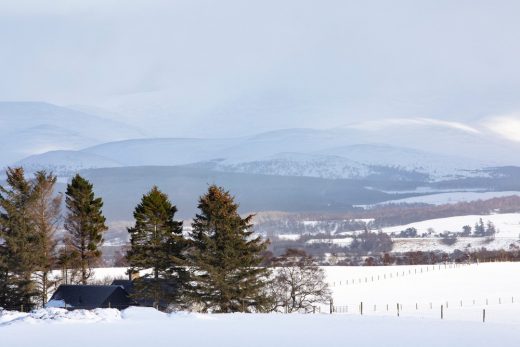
290 169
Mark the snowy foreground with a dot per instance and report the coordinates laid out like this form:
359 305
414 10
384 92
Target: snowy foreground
463 291
146 327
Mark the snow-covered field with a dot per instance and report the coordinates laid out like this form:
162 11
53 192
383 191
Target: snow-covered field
507 225
451 197
494 287
421 290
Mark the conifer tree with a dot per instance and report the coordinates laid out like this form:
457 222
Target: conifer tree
45 213
19 253
85 225
225 259
157 243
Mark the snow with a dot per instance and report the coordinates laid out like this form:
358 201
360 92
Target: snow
251 330
451 197
289 237
508 224
490 286
439 285
55 304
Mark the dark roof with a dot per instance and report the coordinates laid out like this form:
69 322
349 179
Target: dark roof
92 296
125 284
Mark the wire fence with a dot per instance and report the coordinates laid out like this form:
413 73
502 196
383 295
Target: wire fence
399 273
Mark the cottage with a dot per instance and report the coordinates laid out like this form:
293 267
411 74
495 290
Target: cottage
90 297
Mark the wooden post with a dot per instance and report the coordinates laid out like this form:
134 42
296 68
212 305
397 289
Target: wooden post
331 306
416 306
397 309
484 315
442 312
361 307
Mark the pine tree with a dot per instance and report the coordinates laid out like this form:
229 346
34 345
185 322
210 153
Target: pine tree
157 243
85 225
225 260
45 213
19 252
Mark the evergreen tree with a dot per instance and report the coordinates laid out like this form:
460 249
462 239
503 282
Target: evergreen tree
45 214
85 225
19 252
225 259
157 243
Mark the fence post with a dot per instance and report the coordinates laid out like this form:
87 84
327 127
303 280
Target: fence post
397 309
331 306
442 312
483 315
361 307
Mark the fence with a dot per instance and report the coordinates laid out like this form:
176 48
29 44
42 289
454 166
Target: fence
399 274
398 308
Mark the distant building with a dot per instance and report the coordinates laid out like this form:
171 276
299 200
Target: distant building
90 297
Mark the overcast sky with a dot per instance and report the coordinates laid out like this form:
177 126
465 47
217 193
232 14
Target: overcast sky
228 66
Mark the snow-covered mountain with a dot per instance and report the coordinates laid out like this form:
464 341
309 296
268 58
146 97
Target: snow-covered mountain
65 163
266 154
298 164
412 149
28 128
410 160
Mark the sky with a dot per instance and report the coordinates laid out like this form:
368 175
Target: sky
230 67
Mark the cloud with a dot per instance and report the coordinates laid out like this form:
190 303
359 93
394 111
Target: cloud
381 124
507 126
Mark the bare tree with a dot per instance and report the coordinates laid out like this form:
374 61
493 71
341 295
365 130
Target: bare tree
45 215
298 283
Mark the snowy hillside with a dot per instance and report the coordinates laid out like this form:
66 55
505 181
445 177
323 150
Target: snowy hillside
297 164
437 166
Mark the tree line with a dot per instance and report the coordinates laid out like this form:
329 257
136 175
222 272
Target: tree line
218 266
30 216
